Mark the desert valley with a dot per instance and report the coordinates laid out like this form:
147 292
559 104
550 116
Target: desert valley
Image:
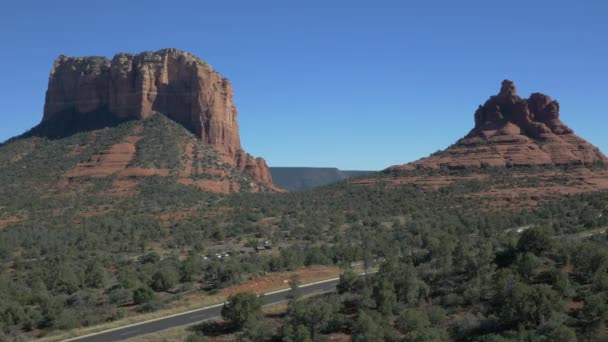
395 171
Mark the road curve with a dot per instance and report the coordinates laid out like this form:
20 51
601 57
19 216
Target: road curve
194 316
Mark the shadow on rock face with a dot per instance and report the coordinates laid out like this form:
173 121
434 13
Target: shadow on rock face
70 122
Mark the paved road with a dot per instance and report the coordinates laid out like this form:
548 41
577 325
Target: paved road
194 316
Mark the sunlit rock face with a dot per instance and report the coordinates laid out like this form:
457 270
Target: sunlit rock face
514 131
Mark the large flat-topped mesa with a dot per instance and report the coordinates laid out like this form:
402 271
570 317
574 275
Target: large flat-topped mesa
175 83
514 131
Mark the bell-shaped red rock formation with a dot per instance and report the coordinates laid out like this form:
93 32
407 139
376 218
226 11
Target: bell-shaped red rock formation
175 83
514 131
518 155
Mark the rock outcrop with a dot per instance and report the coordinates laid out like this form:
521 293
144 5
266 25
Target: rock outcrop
514 131
175 83
519 154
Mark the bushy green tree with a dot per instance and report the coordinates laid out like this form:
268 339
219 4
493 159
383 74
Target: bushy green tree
368 328
143 295
349 282
95 276
594 315
164 279
297 333
385 297
535 240
314 314
242 308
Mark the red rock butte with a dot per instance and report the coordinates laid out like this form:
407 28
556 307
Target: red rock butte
175 83
514 131
519 154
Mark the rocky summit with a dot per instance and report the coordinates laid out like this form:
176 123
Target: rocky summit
175 83
514 131
518 152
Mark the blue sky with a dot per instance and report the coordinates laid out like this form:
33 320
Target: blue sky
352 84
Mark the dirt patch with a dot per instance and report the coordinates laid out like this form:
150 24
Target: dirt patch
574 306
175 216
114 159
567 268
123 188
223 186
94 213
276 280
5 222
134 172
214 172
339 337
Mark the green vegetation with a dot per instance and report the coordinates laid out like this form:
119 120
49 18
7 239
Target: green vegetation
451 268
242 309
475 296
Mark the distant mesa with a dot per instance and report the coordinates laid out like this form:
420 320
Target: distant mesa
514 131
175 83
308 178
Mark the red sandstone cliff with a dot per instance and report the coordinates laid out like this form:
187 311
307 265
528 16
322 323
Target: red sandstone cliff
175 83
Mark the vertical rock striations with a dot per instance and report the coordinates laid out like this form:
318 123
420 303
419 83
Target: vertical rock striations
175 83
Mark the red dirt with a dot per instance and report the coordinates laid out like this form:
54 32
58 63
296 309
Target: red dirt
7 221
94 213
275 280
339 337
113 161
108 162
455 316
214 172
133 172
123 188
218 186
174 216
574 306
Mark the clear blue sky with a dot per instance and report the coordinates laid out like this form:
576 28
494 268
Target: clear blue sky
352 84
